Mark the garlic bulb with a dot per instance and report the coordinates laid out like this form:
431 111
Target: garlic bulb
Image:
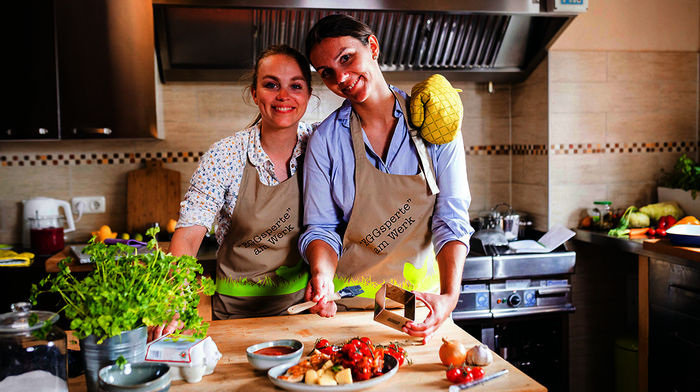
479 355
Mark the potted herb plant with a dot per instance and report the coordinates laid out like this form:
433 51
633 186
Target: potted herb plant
112 307
682 185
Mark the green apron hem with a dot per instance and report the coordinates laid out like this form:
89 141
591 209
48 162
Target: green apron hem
250 289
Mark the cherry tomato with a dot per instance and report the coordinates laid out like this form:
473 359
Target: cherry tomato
467 377
357 342
455 375
355 355
661 232
477 372
322 343
651 232
328 350
400 358
366 351
348 347
366 341
362 369
363 373
347 363
398 349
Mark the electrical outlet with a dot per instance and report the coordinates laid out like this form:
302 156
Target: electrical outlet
89 204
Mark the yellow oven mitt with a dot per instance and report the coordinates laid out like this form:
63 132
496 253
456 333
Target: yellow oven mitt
436 109
10 258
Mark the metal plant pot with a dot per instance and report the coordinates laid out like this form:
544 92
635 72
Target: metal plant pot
130 344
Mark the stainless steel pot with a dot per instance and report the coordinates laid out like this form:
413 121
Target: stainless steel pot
506 219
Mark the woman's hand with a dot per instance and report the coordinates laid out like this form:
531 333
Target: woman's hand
322 261
450 260
156 331
440 307
319 289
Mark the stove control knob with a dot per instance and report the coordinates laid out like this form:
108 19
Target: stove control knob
514 300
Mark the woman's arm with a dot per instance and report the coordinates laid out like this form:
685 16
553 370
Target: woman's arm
323 262
451 232
320 244
451 215
186 240
450 261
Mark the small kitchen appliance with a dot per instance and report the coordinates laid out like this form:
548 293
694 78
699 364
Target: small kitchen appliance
42 215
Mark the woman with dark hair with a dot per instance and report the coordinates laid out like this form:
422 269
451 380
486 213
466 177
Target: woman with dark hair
381 204
250 183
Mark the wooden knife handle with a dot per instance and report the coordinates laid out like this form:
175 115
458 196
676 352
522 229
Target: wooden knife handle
298 308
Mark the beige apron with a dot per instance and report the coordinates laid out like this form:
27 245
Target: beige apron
259 269
388 237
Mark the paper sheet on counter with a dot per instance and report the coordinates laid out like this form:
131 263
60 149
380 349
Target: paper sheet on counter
556 236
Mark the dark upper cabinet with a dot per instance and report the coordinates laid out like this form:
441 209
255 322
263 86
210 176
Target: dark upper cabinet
101 57
30 107
106 68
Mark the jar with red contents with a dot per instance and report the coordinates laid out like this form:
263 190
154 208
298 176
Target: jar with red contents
46 234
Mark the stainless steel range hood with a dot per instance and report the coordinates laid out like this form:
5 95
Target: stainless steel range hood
478 40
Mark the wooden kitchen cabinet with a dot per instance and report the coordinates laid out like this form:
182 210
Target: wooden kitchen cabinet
669 308
86 64
30 105
674 322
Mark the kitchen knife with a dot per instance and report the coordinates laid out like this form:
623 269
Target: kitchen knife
459 387
346 292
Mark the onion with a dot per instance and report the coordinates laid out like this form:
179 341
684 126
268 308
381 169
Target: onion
452 352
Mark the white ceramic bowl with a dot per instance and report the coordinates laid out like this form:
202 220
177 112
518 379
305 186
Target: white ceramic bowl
684 235
265 362
135 377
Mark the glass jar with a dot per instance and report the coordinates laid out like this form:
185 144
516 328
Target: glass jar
27 359
602 213
46 234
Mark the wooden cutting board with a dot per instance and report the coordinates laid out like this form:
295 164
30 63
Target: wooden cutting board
152 195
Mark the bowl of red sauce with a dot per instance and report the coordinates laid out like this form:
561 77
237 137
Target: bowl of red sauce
264 356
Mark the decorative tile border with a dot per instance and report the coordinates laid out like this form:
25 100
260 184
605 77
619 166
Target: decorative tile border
619 148
530 149
495 149
76 159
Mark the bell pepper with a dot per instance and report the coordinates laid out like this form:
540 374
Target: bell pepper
665 222
688 220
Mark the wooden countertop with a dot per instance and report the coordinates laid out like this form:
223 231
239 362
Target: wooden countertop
233 373
663 246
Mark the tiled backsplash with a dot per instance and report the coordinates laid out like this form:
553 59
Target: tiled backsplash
194 116
616 120
530 168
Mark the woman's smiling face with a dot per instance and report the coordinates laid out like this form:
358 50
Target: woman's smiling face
347 66
281 92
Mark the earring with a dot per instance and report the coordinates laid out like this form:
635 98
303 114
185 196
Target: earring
374 57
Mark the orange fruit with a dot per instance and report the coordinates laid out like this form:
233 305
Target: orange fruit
170 227
103 233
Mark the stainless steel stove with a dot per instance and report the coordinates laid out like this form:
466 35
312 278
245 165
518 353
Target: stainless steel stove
499 283
518 305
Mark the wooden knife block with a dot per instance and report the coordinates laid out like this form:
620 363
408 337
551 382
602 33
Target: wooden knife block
152 195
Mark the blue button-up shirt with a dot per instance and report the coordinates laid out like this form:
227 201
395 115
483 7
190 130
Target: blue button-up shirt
329 185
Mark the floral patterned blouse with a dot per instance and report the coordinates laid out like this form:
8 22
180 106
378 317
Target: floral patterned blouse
213 190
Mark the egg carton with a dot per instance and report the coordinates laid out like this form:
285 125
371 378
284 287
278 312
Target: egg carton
189 358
